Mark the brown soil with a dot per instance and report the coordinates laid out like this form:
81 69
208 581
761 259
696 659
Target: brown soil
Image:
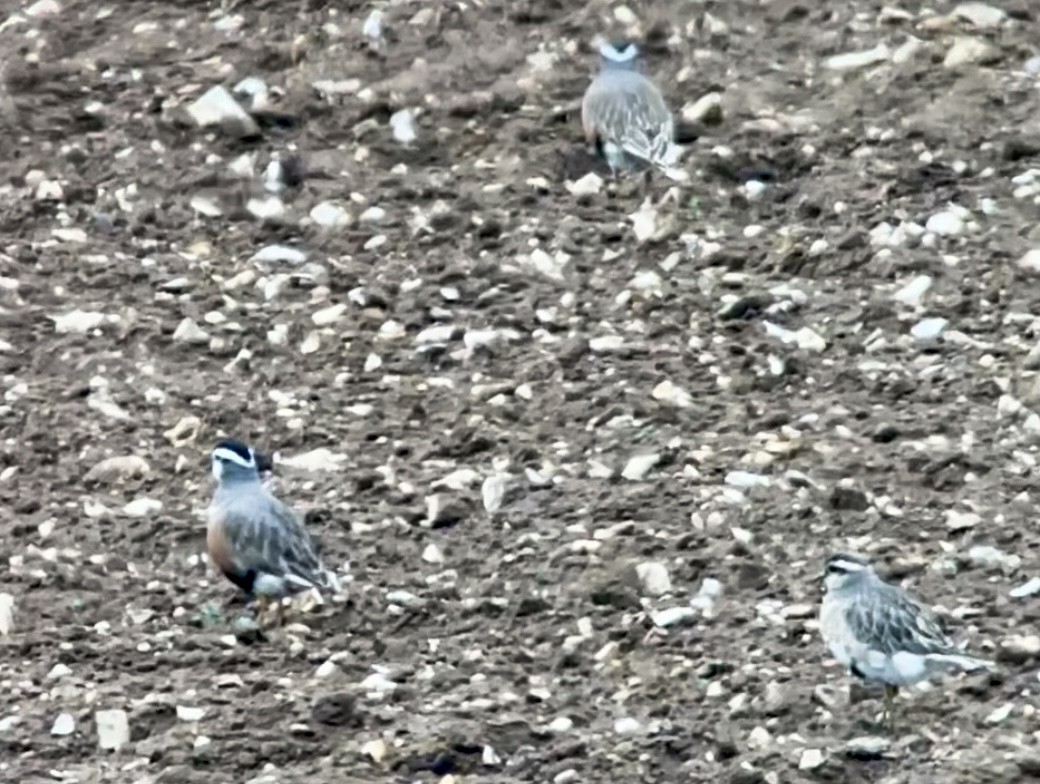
122 602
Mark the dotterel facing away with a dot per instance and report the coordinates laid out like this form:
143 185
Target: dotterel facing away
624 115
881 634
255 540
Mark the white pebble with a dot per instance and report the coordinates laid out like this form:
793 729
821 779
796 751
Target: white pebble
64 724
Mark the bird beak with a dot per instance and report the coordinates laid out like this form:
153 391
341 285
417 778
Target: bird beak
264 462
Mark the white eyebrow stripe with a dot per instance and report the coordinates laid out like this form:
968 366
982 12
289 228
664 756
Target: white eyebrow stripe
611 53
234 457
848 566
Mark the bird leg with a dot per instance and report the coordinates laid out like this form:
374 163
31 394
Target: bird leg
887 717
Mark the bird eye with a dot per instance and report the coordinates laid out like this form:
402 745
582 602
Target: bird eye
834 569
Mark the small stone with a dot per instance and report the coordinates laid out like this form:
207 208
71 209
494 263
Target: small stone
142 507
58 671
970 51
113 729
589 185
189 714
43 8
989 557
326 669
853 60
644 222
77 322
810 759
606 343
654 578
432 554
405 599
372 215
667 392
330 215
328 316
6 613
706 110
638 466
759 738
191 333
982 15
279 254
627 725
266 209
492 492
867 747
912 294
929 329
1019 648
63 725
673 616
1000 714
217 106
947 223
118 468
375 749
1030 262
1031 588
437 334
320 459
561 724
961 521
746 480
402 127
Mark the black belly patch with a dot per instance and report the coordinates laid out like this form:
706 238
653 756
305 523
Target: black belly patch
243 581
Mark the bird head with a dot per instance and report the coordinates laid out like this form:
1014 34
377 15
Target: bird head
234 461
843 570
619 54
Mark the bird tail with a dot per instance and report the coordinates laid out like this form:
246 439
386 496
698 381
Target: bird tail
960 661
660 152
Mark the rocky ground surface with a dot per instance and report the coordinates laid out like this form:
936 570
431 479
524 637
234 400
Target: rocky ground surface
579 448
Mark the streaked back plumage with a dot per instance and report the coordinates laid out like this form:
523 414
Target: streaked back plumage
259 542
625 115
879 632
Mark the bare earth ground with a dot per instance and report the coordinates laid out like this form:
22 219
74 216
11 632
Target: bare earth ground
529 653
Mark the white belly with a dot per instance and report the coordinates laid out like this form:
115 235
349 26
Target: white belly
899 669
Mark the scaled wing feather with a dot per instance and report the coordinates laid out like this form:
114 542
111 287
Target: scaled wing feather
894 623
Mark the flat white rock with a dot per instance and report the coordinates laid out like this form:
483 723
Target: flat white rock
588 185
850 61
191 333
330 215
946 223
654 578
673 616
63 725
402 127
493 491
1030 261
279 253
928 329
78 322
639 466
142 507
320 459
113 729
912 294
6 613
217 106
190 714
982 15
